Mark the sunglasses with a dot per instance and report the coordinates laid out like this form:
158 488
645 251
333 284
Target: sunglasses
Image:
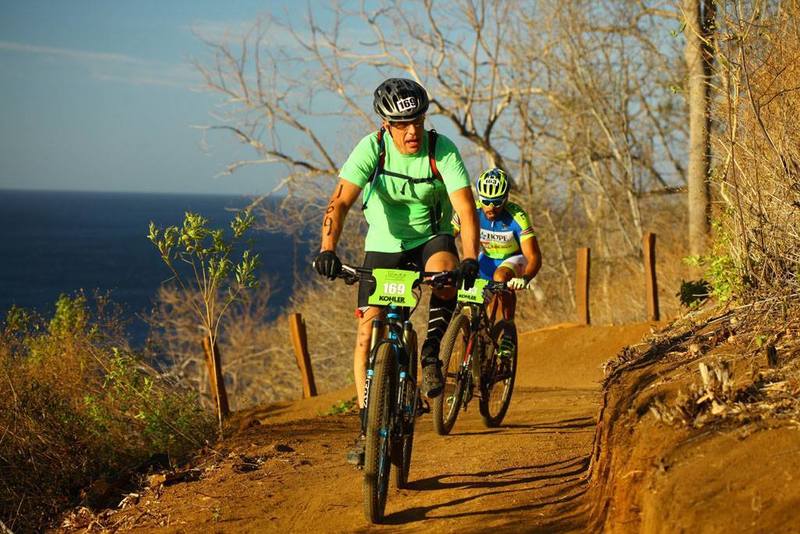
496 202
405 125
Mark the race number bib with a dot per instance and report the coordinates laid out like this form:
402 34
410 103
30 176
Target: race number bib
475 294
393 286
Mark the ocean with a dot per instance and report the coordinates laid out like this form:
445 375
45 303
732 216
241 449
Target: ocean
54 243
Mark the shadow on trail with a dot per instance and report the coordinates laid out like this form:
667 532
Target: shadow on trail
565 476
564 424
573 424
568 492
505 477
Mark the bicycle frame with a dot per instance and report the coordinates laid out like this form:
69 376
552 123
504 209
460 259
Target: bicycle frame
388 422
480 321
398 331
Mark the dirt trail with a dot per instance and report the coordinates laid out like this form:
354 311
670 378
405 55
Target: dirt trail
289 473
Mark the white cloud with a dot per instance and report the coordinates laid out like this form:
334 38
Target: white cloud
81 55
116 68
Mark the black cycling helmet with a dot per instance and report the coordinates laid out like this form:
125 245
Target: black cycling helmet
400 100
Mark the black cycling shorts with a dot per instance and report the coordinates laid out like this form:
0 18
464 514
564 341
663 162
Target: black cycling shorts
415 259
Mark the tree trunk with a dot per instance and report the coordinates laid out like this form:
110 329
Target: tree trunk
700 15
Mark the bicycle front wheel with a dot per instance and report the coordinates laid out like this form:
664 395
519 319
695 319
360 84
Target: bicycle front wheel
453 355
377 456
498 374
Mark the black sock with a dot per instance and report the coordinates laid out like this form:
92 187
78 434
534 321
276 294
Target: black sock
441 311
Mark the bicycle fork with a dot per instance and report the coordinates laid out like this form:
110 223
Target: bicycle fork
406 397
404 404
472 357
377 327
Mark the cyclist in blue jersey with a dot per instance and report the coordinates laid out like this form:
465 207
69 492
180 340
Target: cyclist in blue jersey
509 249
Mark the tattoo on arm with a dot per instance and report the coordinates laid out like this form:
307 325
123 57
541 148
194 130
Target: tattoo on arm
330 208
327 224
339 192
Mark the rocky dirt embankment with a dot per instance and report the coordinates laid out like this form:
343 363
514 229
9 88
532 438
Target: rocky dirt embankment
699 430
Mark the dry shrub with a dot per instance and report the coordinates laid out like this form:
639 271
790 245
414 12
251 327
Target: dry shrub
617 279
258 359
257 355
759 170
77 406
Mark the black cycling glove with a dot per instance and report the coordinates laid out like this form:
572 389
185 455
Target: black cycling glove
327 264
469 272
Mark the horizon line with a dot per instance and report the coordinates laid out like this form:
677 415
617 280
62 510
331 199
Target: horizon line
4 189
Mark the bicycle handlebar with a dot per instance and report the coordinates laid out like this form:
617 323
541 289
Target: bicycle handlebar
502 287
437 279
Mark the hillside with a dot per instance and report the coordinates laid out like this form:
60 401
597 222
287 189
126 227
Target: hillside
550 468
289 474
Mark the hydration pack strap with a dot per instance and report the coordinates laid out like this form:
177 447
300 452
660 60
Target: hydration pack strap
378 167
432 137
435 175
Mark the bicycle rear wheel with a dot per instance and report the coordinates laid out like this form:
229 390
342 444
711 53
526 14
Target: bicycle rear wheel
377 457
498 375
452 353
402 446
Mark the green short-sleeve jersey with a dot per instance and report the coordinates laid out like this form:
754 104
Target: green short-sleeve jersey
401 214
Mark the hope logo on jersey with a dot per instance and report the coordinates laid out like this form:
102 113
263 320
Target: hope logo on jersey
501 237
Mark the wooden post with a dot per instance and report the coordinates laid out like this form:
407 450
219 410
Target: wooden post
582 285
216 379
649 248
300 342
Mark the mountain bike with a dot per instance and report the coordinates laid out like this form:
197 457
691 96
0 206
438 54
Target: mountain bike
391 398
477 353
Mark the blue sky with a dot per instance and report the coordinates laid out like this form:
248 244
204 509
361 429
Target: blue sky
100 95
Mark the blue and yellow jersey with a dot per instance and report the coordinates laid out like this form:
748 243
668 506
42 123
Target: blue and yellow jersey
501 238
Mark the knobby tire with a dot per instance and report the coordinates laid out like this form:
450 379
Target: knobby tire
496 390
377 453
453 348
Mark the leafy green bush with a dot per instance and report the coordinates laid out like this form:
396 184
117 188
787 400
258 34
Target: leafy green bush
200 259
723 277
342 406
77 405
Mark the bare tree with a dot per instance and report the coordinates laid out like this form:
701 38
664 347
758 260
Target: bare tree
601 135
700 27
574 99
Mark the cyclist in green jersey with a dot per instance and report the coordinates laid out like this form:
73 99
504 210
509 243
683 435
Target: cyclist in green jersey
410 186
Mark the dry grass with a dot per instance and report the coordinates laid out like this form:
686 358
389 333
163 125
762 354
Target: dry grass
617 280
759 169
258 360
77 406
